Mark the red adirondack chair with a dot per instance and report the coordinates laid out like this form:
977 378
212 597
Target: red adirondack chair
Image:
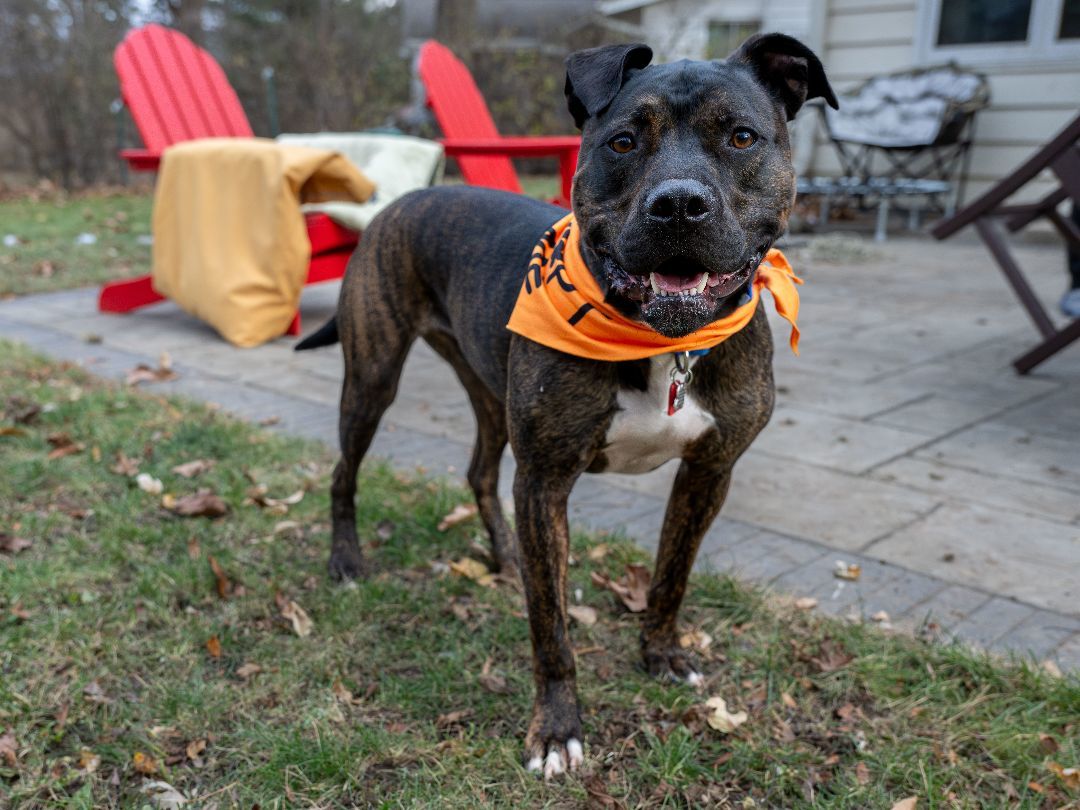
177 92
470 133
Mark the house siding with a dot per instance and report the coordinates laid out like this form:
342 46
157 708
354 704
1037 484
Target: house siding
1029 103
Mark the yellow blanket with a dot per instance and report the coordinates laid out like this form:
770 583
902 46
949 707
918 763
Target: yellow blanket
230 244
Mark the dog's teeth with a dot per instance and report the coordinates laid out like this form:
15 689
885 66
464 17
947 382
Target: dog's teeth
553 765
655 286
701 284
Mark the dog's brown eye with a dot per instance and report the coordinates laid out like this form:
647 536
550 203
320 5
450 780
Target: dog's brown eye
743 139
622 143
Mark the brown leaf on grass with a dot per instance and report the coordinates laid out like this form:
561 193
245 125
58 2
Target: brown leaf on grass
910 803
1038 788
344 694
203 503
195 748
63 445
582 614
144 763
213 646
806 603
598 552
295 615
695 640
22 411
632 589
8 748
459 514
831 657
144 373
862 773
599 798
452 718
222 582
194 550
189 469
1070 777
163 795
125 465
720 718
88 761
493 682
248 670
9 430
275 506
788 700
13 545
1048 744
95 694
473 569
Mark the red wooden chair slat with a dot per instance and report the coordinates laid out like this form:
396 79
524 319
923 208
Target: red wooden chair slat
470 133
178 92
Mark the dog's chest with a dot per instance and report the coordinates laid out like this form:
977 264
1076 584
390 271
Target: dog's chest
642 435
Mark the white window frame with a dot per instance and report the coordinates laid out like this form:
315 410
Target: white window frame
1041 48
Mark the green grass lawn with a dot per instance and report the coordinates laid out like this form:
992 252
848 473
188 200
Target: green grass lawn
47 257
126 660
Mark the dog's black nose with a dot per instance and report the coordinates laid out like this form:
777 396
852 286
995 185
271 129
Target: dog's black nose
679 202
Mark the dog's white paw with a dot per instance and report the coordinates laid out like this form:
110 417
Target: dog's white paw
559 759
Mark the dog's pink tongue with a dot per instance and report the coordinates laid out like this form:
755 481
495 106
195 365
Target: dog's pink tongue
674 284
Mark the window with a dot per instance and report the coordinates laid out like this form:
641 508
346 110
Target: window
1070 20
725 37
998 32
965 21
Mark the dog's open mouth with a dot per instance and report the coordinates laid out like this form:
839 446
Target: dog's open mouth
686 277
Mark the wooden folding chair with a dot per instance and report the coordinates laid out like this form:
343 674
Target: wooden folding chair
989 214
177 92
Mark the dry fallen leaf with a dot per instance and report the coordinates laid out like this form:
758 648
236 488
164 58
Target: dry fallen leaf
831 657
147 483
203 503
881 617
88 761
806 603
1048 744
862 773
13 545
221 580
909 803
275 506
144 373
1070 777
248 670
474 570
493 682
8 748
125 465
213 646
788 700
344 695
848 571
720 718
696 640
1050 667
598 552
632 589
63 445
459 514
95 694
163 795
582 614
301 622
452 718
144 763
195 748
190 469
8 430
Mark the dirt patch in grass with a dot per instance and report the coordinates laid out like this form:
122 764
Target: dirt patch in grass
139 648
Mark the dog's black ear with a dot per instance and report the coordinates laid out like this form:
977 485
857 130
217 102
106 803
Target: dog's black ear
788 68
595 76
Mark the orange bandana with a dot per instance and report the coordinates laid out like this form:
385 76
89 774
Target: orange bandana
561 306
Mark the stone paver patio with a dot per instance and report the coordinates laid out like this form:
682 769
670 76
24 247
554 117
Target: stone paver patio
902 439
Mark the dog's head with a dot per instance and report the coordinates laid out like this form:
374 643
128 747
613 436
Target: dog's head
685 178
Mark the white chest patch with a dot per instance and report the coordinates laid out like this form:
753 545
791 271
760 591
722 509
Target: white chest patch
642 436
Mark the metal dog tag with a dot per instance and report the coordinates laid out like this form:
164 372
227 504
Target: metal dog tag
676 396
680 378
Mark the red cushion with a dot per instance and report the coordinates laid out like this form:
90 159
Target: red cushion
326 235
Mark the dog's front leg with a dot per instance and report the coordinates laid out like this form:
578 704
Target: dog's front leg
559 409
696 498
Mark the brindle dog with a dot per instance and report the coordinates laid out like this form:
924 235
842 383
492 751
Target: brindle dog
685 169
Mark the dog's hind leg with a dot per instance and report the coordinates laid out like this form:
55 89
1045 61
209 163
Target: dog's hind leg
491 439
